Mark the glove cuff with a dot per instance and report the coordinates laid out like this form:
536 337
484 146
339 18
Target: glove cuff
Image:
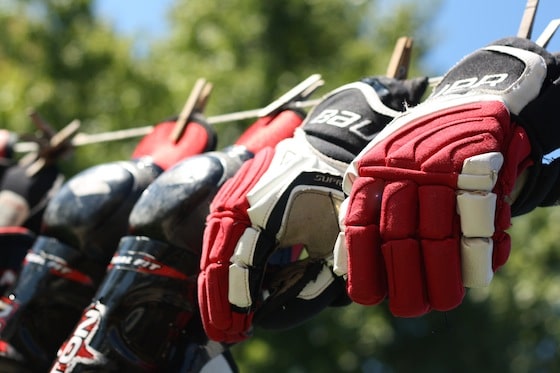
346 120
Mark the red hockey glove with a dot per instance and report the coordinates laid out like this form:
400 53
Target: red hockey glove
430 196
285 198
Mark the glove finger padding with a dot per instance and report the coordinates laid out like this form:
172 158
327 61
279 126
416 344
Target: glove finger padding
230 221
430 195
225 227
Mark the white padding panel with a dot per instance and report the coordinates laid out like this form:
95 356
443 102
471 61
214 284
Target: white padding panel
477 262
477 211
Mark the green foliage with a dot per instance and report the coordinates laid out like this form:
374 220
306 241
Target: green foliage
57 58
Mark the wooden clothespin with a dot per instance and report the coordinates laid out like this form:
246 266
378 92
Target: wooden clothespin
196 102
548 33
300 92
400 60
528 19
58 144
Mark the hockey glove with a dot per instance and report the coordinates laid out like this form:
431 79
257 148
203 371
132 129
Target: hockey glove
286 200
430 196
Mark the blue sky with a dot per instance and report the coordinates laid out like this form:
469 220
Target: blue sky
462 25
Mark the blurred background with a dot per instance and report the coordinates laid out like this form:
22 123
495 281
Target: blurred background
79 59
